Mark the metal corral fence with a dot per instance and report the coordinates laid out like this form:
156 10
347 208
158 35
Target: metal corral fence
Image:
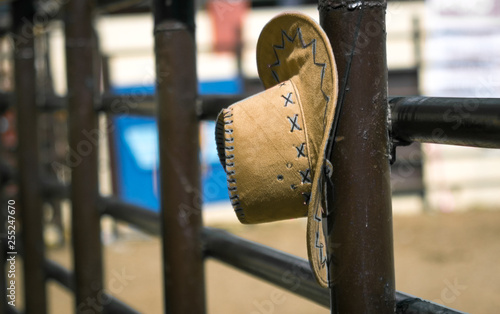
362 267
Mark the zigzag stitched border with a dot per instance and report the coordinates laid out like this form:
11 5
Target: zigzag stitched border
304 45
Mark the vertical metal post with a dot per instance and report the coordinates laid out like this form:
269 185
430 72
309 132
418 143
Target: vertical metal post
82 158
362 261
179 165
30 203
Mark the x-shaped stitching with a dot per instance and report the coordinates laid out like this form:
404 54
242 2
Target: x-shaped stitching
306 175
300 150
288 99
307 198
293 123
282 84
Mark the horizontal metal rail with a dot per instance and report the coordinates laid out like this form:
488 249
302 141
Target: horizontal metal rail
284 270
66 278
457 121
58 273
146 220
409 304
210 105
53 189
137 104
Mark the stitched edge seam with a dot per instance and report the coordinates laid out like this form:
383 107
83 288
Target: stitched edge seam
225 147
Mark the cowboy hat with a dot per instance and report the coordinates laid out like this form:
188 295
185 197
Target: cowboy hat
272 145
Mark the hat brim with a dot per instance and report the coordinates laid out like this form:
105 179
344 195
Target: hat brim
322 74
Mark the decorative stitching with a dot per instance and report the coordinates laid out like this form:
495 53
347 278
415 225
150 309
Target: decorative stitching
307 197
288 99
282 84
316 217
321 247
278 62
312 43
227 158
293 123
300 150
306 175
276 76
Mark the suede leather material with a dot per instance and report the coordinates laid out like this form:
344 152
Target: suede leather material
272 145
276 185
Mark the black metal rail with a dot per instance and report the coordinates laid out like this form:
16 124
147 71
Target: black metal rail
284 270
471 122
457 121
145 220
185 242
64 277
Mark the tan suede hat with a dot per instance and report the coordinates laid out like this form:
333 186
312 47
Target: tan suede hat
272 145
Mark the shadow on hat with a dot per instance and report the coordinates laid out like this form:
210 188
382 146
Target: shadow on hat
272 145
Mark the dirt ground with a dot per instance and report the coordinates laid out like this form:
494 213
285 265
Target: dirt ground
453 259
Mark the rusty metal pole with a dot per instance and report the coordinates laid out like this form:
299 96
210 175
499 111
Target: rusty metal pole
181 197
362 261
82 158
30 202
